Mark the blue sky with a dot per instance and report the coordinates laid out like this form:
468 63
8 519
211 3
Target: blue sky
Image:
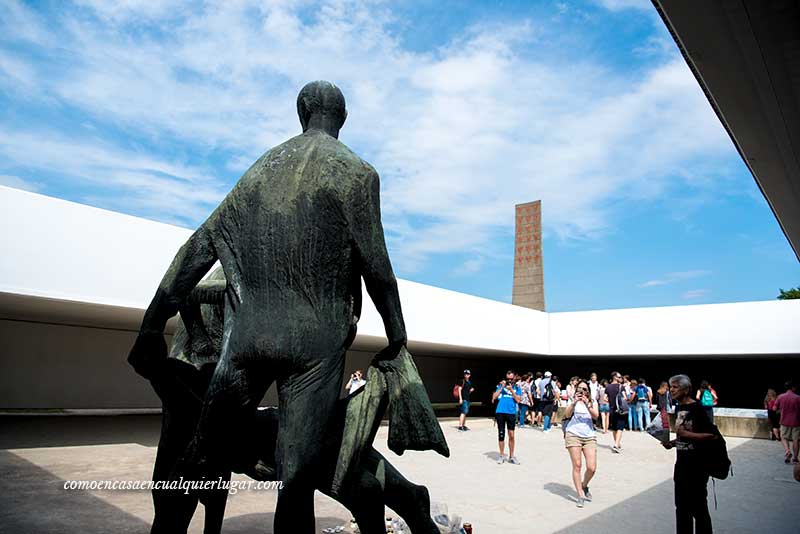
155 109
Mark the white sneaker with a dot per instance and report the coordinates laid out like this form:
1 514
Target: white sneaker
501 460
513 460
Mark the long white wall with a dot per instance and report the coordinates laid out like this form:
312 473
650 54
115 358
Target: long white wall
59 249
771 327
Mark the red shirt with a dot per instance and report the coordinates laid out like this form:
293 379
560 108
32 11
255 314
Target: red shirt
789 405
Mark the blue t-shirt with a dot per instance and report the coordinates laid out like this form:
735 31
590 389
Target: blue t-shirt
506 402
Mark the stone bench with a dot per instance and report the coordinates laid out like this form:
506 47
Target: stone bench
742 422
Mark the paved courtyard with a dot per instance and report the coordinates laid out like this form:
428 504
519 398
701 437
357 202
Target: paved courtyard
632 491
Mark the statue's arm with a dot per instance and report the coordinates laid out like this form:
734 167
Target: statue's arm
376 268
208 292
192 262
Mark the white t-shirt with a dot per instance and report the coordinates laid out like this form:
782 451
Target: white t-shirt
581 424
593 390
536 391
355 384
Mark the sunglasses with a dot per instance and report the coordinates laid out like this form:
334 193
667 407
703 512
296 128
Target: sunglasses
583 389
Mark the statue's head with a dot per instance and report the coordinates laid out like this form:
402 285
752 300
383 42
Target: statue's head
320 105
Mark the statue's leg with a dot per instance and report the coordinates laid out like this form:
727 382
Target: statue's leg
307 401
364 497
236 389
214 502
174 509
411 501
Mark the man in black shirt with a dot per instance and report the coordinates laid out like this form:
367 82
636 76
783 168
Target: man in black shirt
464 391
617 418
691 478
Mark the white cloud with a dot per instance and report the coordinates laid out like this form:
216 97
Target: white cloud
671 278
459 134
469 267
164 190
18 183
695 294
15 74
616 5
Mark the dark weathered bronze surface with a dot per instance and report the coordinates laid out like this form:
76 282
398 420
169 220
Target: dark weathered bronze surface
294 238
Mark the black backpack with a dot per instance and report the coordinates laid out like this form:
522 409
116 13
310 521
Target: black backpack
621 401
714 454
549 394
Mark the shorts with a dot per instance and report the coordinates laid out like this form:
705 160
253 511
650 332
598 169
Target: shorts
504 420
604 407
790 433
537 405
618 421
571 440
463 408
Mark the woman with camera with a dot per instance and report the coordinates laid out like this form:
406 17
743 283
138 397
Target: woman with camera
356 381
580 438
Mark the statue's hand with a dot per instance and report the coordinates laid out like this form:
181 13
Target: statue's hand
148 352
385 359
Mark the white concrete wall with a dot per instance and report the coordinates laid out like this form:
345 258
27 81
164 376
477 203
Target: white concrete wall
59 249
444 317
59 366
54 248
771 327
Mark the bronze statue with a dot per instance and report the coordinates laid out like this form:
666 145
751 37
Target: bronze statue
181 381
294 238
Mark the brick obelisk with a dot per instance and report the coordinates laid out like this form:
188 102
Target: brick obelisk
528 264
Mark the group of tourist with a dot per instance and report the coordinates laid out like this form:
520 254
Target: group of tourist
631 401
611 402
620 404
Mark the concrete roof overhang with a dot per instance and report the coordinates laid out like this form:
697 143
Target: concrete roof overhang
38 309
746 56
70 264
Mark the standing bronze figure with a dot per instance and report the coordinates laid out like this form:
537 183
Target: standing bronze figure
294 238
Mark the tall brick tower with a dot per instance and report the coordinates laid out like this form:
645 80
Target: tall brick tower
528 263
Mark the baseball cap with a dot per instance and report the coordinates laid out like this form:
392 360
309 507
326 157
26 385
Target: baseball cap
548 373
467 372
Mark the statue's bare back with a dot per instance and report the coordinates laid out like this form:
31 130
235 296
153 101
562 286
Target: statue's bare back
283 236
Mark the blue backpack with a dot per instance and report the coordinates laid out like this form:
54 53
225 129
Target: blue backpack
707 399
641 393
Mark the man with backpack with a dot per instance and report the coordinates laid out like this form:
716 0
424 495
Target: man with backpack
644 397
536 392
549 400
694 431
462 392
618 405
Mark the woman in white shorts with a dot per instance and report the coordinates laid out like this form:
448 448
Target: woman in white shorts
580 437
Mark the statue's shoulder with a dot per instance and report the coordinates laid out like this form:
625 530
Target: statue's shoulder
356 166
